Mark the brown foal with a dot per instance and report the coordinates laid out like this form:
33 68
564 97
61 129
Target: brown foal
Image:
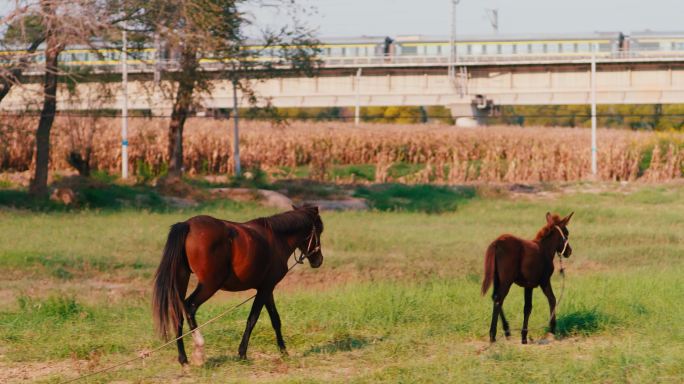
528 264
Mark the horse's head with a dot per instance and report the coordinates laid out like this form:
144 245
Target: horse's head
559 231
311 245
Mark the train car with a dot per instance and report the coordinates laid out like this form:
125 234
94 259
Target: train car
468 47
661 42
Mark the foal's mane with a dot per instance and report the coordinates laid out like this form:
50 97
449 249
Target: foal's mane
548 227
291 221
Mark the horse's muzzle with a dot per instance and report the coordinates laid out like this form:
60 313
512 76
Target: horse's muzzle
568 251
317 261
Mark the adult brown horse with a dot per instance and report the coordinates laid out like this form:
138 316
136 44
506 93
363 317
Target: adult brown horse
527 263
233 257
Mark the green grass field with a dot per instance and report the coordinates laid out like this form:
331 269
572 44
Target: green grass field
396 300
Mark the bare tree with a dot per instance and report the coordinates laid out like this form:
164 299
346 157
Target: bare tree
57 24
206 39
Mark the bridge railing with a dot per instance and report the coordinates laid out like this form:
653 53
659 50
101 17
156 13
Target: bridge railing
139 66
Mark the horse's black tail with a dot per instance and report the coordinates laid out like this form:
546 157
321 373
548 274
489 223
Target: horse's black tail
489 268
167 301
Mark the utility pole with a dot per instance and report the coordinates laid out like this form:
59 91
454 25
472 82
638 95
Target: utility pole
594 150
236 132
452 44
357 86
493 16
124 106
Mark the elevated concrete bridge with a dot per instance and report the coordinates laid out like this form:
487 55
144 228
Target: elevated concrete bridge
478 84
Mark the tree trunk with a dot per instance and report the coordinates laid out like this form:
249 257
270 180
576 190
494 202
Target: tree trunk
181 109
38 185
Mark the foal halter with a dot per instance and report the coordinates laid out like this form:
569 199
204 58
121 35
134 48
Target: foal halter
310 251
565 246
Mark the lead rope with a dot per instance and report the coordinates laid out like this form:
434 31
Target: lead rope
146 353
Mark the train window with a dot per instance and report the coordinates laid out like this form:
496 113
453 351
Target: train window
343 52
678 46
470 49
498 49
327 51
409 51
529 48
545 48
484 49
514 48
439 50
425 50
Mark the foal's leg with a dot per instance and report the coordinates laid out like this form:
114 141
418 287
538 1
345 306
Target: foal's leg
258 304
527 310
201 294
548 291
500 292
275 321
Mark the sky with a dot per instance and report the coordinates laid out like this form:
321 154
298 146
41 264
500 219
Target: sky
347 18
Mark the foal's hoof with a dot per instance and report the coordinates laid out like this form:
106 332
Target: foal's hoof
242 356
524 341
283 352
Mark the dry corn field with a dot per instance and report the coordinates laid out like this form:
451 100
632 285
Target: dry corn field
445 154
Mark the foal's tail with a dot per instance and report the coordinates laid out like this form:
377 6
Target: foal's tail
489 267
167 303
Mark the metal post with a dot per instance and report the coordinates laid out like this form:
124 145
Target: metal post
594 167
452 41
124 107
236 132
357 109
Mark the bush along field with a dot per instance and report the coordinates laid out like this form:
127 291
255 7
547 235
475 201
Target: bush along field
396 300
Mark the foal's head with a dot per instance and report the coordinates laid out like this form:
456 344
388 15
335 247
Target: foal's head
556 229
311 245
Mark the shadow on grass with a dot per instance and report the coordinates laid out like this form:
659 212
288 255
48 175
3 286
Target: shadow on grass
581 322
343 344
217 361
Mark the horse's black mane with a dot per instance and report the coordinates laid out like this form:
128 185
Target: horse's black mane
291 221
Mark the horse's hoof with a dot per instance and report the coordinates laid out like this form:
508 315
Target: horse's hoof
185 369
242 356
283 352
524 341
197 358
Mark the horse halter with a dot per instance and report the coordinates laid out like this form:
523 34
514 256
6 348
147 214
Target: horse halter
309 250
565 246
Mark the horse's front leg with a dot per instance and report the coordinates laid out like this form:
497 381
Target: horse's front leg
258 304
275 322
548 291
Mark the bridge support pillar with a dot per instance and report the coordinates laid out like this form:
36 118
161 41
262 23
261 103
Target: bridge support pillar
472 114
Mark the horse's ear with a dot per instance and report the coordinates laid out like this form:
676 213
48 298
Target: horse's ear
567 219
549 218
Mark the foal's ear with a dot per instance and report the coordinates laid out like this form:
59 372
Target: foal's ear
294 207
567 219
549 218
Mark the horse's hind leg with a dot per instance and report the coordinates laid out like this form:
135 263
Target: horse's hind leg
504 324
183 278
500 292
527 310
275 321
192 303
